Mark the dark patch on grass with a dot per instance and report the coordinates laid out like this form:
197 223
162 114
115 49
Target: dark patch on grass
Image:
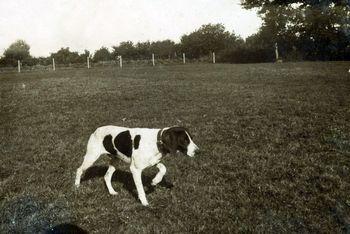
93 172
4 173
341 213
278 222
66 228
29 215
339 139
126 179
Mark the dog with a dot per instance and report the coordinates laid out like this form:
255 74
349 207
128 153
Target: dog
141 147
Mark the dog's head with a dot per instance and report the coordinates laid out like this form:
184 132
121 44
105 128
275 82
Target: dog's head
179 139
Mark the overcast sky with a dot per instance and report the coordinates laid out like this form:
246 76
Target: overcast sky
48 25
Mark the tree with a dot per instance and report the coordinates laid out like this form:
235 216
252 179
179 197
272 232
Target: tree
102 54
65 56
249 4
45 61
19 50
143 50
125 49
256 49
208 38
318 29
163 49
83 56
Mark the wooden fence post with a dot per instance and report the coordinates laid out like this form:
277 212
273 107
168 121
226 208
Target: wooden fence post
213 57
53 64
153 60
183 58
19 66
120 61
276 52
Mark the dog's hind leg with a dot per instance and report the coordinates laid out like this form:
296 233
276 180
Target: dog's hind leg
93 152
108 178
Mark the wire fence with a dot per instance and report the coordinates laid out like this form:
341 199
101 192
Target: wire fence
118 63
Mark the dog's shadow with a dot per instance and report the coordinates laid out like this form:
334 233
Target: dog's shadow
126 179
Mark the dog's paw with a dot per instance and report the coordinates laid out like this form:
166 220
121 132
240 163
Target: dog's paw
144 202
113 193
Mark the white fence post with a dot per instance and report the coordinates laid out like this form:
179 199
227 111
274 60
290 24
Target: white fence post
19 66
120 61
53 64
88 62
153 60
276 52
184 58
213 57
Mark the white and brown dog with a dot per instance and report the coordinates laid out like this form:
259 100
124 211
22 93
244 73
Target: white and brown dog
141 147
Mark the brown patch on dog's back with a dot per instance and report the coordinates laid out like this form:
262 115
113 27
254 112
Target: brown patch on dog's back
108 144
123 143
137 141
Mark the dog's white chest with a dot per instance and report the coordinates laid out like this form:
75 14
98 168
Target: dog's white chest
147 158
155 159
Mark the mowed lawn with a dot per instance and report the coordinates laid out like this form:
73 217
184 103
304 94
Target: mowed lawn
274 139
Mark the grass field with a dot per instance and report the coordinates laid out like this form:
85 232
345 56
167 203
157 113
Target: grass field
274 139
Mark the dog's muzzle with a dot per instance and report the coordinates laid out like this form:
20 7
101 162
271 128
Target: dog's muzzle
192 151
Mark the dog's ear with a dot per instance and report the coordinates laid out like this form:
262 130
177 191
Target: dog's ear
169 141
174 139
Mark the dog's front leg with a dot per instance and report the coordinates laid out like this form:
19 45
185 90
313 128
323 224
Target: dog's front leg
136 174
160 174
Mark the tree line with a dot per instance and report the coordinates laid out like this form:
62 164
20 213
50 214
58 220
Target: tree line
302 29
200 43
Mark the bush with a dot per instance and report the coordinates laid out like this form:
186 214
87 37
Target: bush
246 55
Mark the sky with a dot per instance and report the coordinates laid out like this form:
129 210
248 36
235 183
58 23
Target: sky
48 25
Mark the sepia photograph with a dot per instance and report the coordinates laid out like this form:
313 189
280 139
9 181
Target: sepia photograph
139 116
